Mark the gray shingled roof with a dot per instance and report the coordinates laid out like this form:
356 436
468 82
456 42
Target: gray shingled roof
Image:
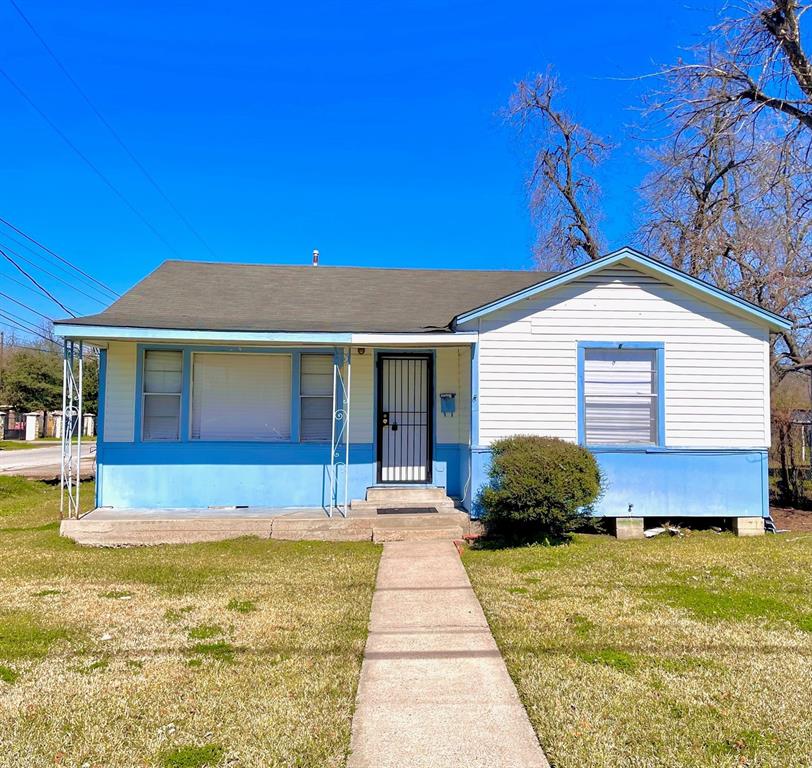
252 297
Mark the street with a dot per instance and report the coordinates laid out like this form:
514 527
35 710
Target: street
42 462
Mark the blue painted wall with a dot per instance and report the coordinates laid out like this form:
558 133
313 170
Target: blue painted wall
192 473
668 483
203 474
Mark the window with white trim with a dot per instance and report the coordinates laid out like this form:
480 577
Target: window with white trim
241 396
316 397
161 396
621 394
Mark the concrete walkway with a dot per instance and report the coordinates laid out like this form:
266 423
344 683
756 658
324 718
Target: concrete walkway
434 690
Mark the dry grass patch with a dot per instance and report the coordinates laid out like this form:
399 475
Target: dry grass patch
240 653
672 652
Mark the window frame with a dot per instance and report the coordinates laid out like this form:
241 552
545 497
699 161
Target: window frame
658 347
143 394
190 405
302 396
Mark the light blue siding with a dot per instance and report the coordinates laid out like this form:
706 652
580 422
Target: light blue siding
207 474
669 483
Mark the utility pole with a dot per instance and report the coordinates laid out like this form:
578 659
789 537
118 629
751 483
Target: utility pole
2 355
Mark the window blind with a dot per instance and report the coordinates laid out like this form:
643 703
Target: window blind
163 382
241 396
620 396
316 397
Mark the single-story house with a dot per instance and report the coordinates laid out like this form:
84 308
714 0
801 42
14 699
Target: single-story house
231 385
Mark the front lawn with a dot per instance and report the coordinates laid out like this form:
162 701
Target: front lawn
241 653
20 445
671 652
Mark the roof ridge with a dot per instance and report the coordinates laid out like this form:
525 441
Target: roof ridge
309 267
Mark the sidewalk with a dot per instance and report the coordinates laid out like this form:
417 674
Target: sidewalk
434 690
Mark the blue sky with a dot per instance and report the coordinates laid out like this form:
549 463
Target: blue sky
367 130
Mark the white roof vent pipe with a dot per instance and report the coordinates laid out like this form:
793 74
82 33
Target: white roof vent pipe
315 257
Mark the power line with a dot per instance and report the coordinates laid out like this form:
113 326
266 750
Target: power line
62 269
21 327
19 319
34 281
57 256
52 275
88 162
27 287
25 306
112 131
13 345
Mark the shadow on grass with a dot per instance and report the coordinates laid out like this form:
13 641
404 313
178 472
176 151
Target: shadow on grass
506 536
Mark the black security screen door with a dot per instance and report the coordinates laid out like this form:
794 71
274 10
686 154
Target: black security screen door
404 419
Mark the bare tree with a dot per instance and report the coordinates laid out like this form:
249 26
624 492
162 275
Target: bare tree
563 191
729 198
756 63
731 210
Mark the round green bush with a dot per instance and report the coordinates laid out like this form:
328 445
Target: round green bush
539 486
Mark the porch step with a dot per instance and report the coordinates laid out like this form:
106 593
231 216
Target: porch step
403 496
372 527
397 495
382 534
145 531
334 528
360 505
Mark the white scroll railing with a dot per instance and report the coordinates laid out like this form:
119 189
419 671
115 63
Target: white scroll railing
72 374
340 434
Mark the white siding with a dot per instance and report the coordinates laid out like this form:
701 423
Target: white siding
452 374
119 401
361 396
716 389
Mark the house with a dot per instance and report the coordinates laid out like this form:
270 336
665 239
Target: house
233 385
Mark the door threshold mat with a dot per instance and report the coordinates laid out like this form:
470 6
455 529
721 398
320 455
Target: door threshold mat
407 511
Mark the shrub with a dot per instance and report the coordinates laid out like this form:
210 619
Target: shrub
539 486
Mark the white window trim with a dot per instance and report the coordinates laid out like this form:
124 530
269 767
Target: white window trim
302 396
658 347
145 394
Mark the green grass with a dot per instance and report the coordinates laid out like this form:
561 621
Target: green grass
112 646
40 442
653 654
25 636
205 632
241 606
219 651
7 674
193 757
17 445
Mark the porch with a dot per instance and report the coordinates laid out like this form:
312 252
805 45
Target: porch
191 427
139 526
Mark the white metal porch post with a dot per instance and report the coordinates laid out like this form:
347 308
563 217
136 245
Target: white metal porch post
71 468
347 400
340 431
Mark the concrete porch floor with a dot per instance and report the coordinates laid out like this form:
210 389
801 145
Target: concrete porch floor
135 527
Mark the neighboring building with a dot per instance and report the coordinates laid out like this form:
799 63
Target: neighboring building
217 383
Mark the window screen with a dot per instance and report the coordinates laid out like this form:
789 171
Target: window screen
317 398
163 382
241 396
620 396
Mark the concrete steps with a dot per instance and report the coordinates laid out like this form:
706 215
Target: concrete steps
403 496
109 530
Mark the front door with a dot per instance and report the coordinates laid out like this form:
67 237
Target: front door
404 418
